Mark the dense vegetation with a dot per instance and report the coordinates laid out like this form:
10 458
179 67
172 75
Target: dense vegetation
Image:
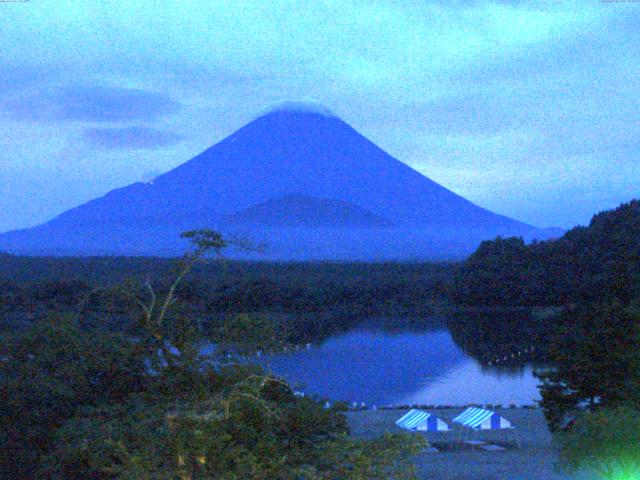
606 441
78 402
593 264
591 390
308 300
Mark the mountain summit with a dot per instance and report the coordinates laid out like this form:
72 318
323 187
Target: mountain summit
357 201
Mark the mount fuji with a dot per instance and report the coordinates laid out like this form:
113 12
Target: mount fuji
299 180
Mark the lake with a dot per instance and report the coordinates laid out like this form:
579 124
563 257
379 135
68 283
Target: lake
386 362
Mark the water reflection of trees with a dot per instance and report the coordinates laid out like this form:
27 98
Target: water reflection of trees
502 340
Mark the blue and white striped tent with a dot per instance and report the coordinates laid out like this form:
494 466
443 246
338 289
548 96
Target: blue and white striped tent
482 419
422 422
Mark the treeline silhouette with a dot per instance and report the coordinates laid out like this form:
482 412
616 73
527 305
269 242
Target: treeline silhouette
314 299
593 264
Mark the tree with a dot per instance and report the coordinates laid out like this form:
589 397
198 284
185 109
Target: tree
248 426
596 363
244 334
606 442
495 274
597 264
50 372
153 407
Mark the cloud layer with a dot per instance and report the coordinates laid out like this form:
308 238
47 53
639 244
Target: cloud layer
91 104
527 108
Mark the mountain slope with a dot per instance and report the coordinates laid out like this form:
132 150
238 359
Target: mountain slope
280 153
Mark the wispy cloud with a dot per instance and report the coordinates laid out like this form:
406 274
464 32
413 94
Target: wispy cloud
92 104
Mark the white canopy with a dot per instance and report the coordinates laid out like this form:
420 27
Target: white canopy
421 421
482 419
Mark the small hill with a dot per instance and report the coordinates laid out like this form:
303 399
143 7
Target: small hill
304 211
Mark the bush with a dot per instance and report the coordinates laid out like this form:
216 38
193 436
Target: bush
606 442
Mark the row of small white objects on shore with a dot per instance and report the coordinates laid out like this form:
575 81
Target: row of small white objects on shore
513 355
354 405
286 349
363 405
259 353
307 346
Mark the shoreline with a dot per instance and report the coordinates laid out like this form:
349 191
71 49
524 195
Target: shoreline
488 406
536 458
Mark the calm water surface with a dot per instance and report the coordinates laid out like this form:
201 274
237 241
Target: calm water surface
380 365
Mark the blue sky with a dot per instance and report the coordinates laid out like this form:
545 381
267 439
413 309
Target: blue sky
528 108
